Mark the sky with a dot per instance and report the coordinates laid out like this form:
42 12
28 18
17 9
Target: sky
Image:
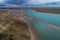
41 1
2 1
34 1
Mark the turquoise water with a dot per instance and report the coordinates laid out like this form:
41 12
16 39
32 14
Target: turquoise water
45 31
53 18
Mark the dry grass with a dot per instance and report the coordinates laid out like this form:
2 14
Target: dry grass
47 10
18 30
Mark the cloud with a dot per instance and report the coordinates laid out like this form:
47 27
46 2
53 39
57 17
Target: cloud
41 1
1 1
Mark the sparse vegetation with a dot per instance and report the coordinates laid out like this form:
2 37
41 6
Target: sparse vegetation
47 10
14 28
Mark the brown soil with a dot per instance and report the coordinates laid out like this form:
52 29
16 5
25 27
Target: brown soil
47 10
17 28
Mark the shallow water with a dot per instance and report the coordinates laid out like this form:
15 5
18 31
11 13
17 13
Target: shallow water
44 24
